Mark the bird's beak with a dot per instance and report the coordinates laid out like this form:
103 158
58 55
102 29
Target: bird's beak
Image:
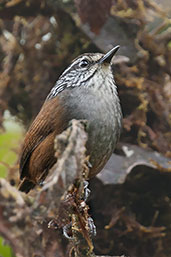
108 56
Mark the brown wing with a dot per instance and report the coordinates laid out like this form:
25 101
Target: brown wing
50 120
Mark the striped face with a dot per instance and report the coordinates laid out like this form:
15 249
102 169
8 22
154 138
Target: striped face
78 73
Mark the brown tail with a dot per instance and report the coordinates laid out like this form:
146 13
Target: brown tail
26 185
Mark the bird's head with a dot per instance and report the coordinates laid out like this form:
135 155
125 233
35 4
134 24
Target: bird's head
83 69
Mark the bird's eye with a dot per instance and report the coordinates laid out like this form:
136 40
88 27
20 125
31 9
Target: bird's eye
83 63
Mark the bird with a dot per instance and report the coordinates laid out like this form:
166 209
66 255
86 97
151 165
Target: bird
86 90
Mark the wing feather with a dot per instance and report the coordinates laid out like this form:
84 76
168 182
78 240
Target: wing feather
48 120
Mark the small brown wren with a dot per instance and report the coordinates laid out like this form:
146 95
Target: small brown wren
86 90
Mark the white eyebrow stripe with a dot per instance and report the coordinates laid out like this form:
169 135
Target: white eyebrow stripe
74 63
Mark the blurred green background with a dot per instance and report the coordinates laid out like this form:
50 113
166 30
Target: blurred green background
10 141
